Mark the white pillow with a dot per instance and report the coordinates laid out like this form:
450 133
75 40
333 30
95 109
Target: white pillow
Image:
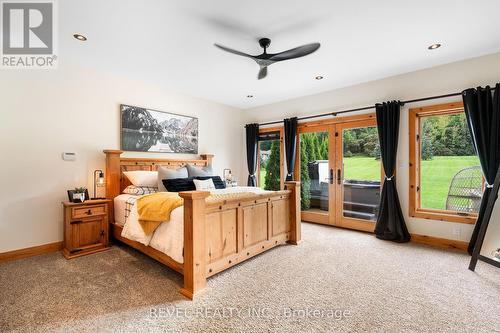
142 178
204 185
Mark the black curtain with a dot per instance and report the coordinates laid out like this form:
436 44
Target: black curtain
252 142
390 223
290 145
482 111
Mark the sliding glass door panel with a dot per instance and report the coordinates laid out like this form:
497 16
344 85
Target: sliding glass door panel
316 174
359 175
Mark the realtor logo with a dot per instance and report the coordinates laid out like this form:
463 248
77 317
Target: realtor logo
28 34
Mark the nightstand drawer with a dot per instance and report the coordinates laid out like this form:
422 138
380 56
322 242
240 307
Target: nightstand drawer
88 211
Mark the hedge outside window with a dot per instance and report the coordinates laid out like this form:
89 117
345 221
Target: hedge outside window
270 169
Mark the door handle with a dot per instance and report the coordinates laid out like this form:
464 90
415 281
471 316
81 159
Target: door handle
339 176
331 176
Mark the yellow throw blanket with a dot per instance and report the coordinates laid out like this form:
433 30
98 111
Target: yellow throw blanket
155 208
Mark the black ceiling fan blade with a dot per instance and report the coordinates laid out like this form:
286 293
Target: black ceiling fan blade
227 49
295 52
262 73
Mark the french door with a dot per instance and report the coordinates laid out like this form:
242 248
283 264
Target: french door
340 171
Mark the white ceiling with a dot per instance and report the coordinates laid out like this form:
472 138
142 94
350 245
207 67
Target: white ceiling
170 43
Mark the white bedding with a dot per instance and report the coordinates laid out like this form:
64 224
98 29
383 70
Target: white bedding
120 206
168 237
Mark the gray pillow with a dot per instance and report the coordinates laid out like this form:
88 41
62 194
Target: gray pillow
165 173
199 172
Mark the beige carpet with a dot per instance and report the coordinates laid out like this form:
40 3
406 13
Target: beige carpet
356 283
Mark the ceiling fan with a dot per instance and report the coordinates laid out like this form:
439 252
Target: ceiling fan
266 59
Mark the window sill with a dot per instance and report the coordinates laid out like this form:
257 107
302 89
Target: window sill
444 216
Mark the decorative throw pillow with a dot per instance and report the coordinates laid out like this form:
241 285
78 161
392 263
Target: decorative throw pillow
165 173
179 184
199 172
204 185
142 178
140 190
218 182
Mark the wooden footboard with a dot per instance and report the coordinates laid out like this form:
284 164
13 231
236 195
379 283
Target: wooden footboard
221 234
218 234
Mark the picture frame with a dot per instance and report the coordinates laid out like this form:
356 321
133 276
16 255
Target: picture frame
71 192
147 130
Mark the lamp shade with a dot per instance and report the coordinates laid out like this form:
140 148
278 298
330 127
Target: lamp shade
100 179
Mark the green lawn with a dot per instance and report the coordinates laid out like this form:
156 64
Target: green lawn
436 175
361 168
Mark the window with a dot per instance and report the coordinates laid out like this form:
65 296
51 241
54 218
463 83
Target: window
270 159
445 175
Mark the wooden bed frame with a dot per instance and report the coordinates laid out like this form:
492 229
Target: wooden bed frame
217 234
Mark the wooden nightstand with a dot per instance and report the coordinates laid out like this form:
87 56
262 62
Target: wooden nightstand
85 227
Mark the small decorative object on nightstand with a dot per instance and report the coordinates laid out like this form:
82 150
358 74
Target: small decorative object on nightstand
228 178
227 174
85 227
78 195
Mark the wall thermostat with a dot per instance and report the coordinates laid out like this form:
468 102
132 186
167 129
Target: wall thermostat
69 156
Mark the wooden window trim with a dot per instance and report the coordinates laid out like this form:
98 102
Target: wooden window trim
311 126
415 114
282 154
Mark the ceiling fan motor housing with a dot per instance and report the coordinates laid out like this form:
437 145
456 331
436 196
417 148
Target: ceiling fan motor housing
264 43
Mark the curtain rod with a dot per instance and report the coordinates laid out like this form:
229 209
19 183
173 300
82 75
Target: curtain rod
336 113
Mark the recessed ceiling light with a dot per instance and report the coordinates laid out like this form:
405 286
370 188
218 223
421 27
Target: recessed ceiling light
249 96
434 46
81 38
319 77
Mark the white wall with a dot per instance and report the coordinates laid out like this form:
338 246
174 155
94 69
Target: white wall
435 81
45 113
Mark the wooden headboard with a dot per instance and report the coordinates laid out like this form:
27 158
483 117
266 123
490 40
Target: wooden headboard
115 165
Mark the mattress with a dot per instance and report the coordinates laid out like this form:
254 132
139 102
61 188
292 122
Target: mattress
168 238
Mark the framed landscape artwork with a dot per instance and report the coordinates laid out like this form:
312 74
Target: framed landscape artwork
156 131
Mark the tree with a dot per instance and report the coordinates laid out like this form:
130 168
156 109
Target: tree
272 180
376 151
309 147
305 182
265 145
315 146
427 153
457 136
447 135
324 149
